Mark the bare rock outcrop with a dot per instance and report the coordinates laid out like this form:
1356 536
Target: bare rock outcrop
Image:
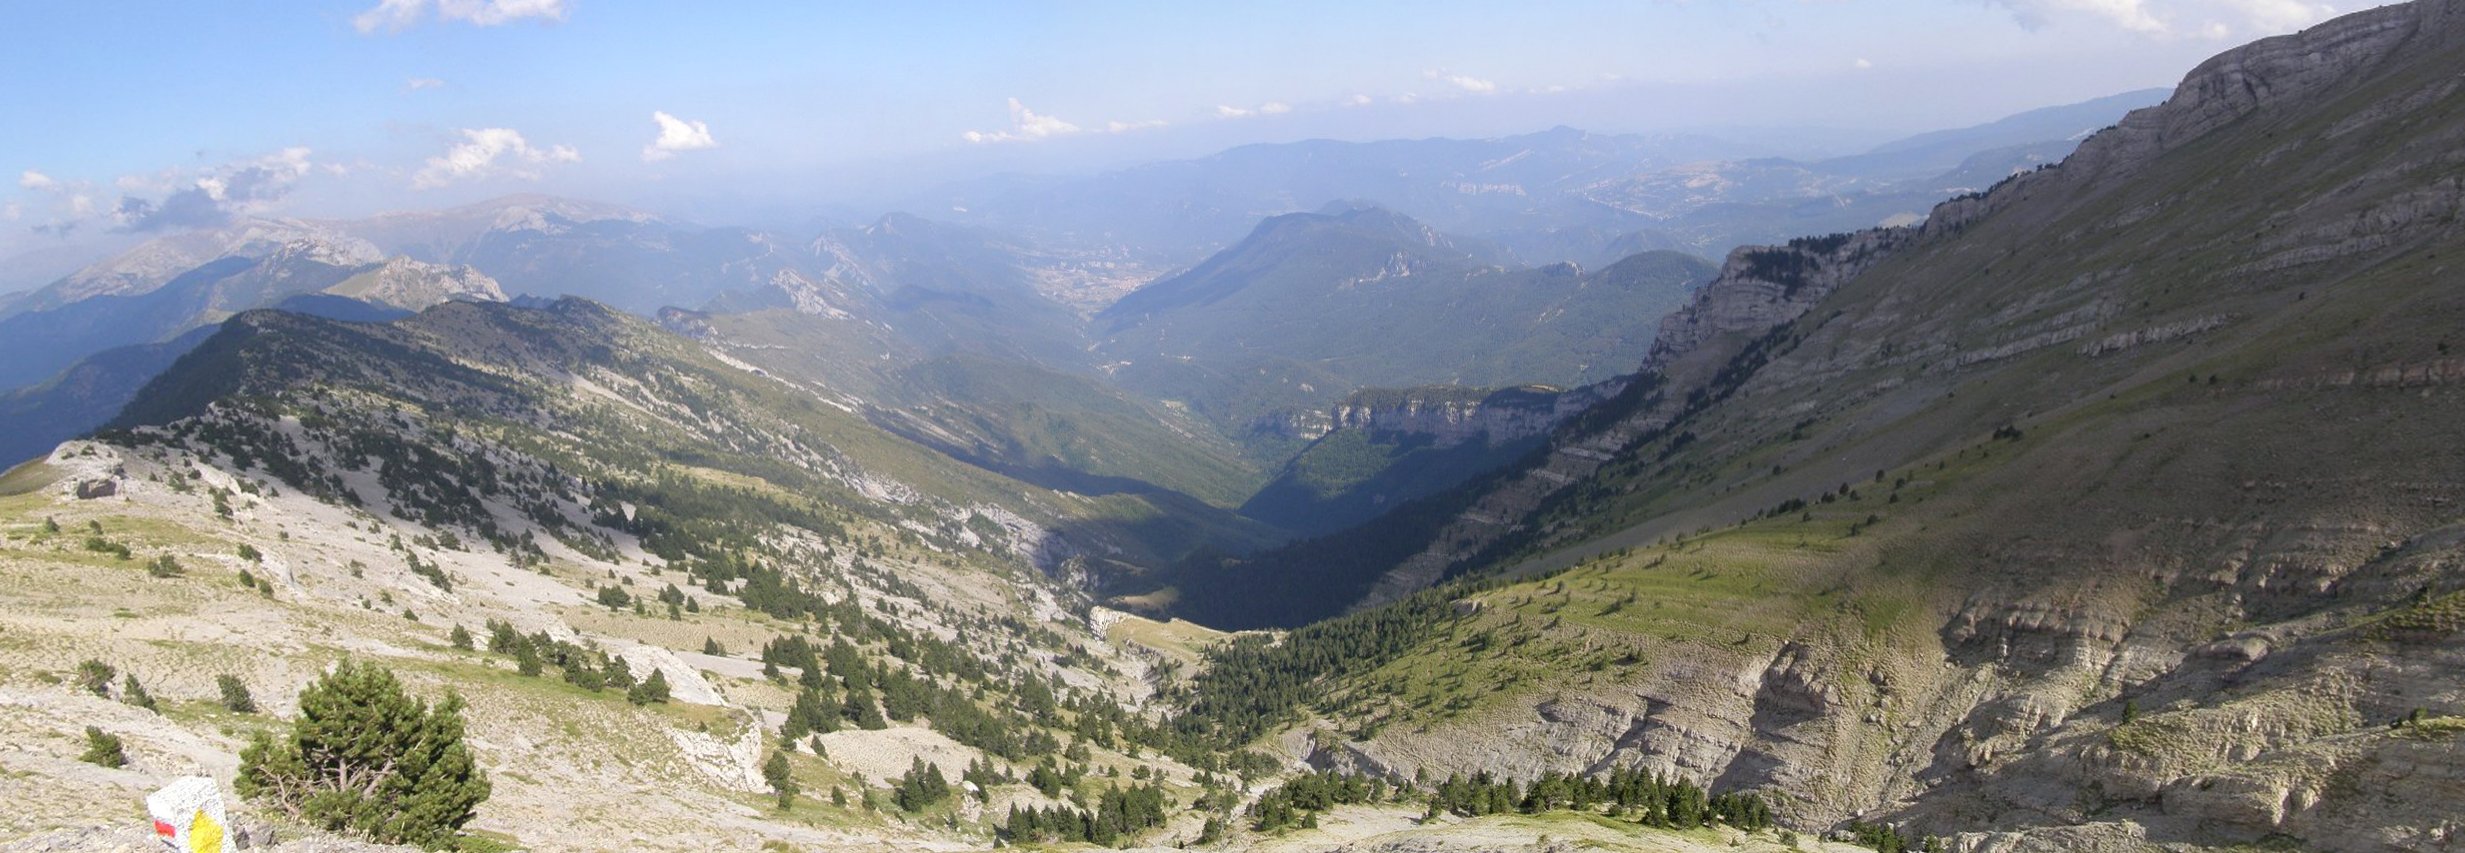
415 286
1447 415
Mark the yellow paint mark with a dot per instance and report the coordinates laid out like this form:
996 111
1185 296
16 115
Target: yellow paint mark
204 835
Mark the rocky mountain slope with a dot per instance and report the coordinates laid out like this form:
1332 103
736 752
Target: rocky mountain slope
544 508
625 502
77 364
2103 510
573 763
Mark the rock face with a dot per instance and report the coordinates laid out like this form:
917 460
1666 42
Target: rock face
2197 603
1757 289
1760 287
1448 415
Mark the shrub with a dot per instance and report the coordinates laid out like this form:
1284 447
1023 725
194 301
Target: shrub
103 749
652 689
367 758
94 677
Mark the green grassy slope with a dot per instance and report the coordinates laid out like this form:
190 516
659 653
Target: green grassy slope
2003 533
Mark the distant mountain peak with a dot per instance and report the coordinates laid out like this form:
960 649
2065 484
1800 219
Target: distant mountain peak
417 285
576 210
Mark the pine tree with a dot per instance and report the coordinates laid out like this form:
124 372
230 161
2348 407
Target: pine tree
781 777
366 757
235 694
135 694
861 710
922 786
461 638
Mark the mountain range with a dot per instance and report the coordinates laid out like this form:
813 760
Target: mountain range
2099 511
2036 486
1559 195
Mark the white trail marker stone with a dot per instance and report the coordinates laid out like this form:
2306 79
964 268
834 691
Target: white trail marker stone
188 817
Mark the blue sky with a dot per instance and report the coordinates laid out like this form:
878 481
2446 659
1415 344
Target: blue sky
357 106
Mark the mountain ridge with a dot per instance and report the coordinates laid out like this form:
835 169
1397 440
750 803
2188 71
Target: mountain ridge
2099 511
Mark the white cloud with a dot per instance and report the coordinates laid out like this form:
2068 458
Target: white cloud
177 199
418 83
2278 15
487 152
38 181
1861 64
1466 82
2210 19
1270 108
1025 125
390 15
1359 101
13 211
1128 126
676 134
398 15
1036 126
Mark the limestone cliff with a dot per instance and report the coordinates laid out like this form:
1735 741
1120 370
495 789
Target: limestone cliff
1447 414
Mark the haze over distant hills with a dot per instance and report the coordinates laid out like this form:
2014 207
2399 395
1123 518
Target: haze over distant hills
2078 481
1557 195
1039 291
